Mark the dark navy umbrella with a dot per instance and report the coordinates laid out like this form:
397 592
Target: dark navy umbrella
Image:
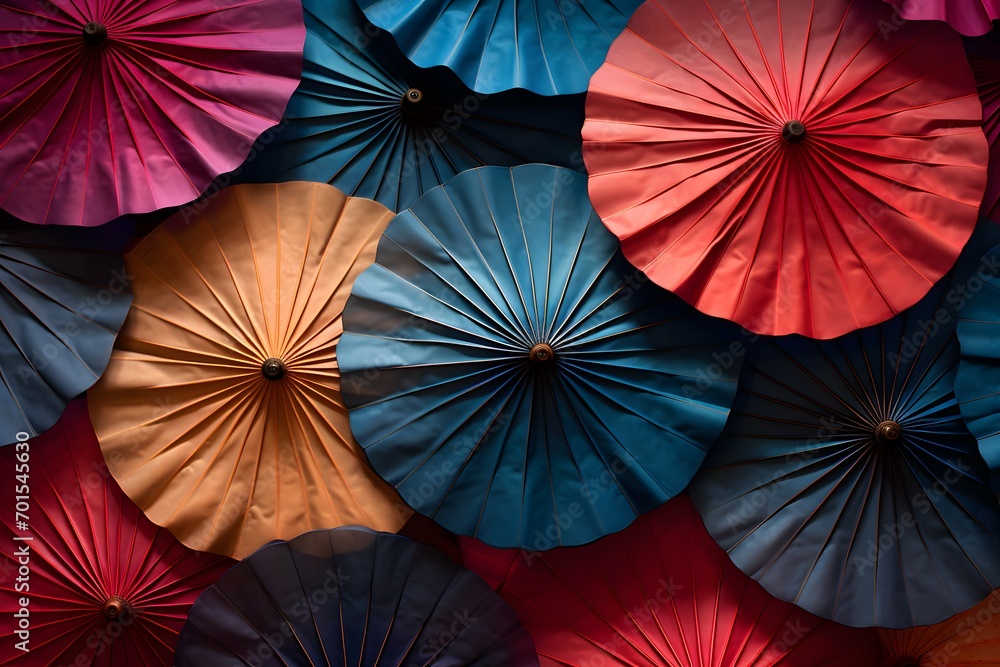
64 294
351 597
846 481
550 47
978 384
367 121
514 377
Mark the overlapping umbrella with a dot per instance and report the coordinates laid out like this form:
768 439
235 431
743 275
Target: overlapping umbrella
375 126
85 578
846 481
969 17
220 413
550 47
514 378
784 164
116 106
354 598
63 296
660 594
984 56
977 384
969 639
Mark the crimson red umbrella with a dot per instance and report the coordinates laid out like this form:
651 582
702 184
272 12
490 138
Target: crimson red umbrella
117 106
85 578
785 164
659 594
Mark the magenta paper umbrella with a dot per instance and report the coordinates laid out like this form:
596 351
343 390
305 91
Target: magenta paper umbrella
969 17
127 106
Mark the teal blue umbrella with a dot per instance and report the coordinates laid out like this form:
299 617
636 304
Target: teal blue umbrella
514 377
846 481
550 47
369 122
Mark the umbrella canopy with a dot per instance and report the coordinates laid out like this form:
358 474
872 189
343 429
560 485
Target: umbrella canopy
64 294
86 578
845 480
979 370
970 639
784 165
551 47
115 106
220 413
352 598
375 126
514 378
984 56
660 594
969 17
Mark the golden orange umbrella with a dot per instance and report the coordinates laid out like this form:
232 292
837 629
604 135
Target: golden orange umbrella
969 639
220 413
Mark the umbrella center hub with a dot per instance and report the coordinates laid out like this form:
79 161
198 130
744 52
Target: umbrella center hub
273 369
907 662
793 132
888 432
542 353
94 33
116 608
413 101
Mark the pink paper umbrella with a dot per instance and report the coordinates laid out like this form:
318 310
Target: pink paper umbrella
127 106
969 17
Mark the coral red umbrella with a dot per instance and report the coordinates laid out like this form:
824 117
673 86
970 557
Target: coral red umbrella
659 594
969 17
118 106
984 56
783 165
85 578
969 639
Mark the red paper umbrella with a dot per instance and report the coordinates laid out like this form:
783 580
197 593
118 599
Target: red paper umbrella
984 56
659 594
125 106
85 578
795 166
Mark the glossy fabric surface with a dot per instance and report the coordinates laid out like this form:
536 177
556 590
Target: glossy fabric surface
839 231
348 123
192 429
64 294
551 47
979 371
808 500
89 543
969 639
176 96
450 408
352 598
984 56
969 17
660 594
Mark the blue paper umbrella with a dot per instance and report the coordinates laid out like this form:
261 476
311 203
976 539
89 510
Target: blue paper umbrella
978 384
64 295
550 47
375 126
511 374
846 482
351 597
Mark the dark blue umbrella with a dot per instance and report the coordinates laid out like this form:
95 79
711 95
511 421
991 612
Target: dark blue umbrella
978 384
367 121
846 481
64 294
550 47
514 377
351 597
